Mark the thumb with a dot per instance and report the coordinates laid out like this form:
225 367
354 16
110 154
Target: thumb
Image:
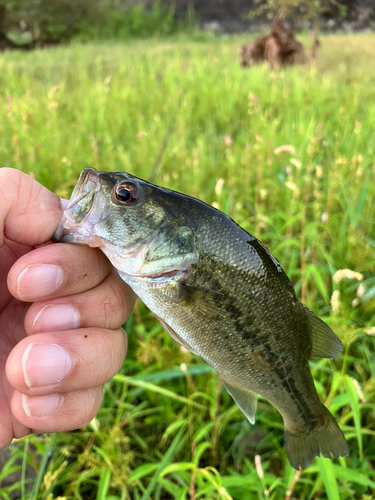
29 212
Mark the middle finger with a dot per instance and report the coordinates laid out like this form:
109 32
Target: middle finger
106 306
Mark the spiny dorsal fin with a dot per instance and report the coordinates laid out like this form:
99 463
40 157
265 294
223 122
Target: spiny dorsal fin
324 343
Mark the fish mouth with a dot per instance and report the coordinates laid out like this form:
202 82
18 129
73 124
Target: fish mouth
79 217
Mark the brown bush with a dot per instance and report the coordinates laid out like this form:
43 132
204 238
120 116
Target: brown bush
279 48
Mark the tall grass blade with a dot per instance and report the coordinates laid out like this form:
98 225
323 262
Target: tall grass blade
155 388
354 404
103 485
362 198
24 465
50 448
327 473
167 457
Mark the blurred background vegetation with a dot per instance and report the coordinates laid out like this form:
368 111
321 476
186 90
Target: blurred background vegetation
30 23
289 154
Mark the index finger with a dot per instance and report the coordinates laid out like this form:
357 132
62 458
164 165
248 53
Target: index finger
57 270
29 212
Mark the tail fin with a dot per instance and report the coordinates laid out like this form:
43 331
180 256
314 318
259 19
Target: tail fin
327 439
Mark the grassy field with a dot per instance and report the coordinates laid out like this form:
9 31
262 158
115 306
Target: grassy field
167 429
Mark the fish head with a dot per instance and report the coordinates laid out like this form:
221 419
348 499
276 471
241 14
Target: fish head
134 223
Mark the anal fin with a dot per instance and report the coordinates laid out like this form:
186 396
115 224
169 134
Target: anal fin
246 400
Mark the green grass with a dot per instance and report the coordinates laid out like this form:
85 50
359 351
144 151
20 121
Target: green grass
165 433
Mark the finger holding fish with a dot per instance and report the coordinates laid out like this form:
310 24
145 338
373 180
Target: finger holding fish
55 271
107 305
69 329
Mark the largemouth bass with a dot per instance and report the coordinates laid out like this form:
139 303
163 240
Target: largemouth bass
219 292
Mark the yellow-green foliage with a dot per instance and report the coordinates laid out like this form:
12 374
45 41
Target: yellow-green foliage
289 155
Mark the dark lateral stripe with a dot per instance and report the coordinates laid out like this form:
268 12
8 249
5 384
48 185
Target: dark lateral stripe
296 396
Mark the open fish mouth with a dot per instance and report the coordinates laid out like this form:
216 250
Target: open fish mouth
83 211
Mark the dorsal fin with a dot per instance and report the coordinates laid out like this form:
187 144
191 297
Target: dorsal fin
324 343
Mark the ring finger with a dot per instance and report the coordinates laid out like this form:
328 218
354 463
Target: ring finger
57 412
61 362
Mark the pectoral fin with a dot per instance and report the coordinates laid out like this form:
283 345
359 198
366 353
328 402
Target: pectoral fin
246 400
202 309
174 335
324 343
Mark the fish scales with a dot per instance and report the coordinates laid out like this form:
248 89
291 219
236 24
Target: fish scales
263 358
219 292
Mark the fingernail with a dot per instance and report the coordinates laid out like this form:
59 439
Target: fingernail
56 318
39 280
37 406
45 364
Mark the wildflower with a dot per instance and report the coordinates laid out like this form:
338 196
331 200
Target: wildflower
66 161
95 424
335 301
219 187
325 217
52 91
292 186
361 290
285 149
227 140
318 171
252 97
50 477
258 466
347 273
359 390
295 162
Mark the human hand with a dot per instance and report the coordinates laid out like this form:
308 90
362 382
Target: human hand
56 352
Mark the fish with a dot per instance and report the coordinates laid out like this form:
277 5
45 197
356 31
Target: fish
219 292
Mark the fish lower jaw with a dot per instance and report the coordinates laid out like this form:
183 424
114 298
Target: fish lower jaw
175 274
134 267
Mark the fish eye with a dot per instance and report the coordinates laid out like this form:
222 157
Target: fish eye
126 193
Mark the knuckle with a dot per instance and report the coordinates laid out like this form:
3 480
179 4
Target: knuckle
81 406
91 400
113 305
9 181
